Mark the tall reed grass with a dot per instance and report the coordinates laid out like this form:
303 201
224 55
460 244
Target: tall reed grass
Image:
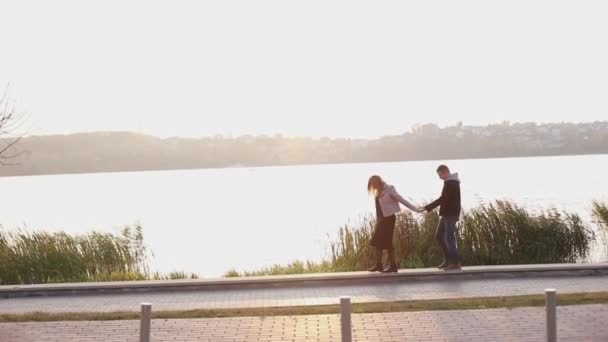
490 234
496 233
48 257
600 215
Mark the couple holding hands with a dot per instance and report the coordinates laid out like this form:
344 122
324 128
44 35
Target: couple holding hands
387 205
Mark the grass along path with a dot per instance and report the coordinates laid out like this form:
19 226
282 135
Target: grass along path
377 307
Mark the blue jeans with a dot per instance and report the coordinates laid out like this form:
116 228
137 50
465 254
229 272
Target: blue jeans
446 237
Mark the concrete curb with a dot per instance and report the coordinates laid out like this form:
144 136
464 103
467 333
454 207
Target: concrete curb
322 279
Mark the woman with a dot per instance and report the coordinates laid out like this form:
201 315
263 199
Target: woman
387 205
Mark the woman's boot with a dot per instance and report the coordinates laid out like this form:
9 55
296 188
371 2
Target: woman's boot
392 268
378 266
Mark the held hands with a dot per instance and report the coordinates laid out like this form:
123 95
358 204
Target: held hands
420 209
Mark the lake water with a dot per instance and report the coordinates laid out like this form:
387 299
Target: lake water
208 221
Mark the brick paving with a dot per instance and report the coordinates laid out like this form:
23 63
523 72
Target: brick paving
575 323
292 296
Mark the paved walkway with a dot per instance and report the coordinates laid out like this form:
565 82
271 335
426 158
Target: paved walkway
575 323
333 278
292 296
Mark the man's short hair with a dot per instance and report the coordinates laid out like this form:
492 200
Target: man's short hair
443 168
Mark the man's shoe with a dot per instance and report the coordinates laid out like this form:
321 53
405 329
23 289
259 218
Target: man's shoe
453 267
391 269
443 265
376 268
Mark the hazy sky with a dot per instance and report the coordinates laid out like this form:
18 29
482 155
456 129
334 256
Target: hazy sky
336 68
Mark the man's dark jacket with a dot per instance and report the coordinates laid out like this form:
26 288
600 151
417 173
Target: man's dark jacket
449 202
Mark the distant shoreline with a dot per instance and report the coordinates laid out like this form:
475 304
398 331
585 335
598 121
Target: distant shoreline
291 165
102 152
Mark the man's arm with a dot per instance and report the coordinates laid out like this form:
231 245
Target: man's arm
438 201
434 204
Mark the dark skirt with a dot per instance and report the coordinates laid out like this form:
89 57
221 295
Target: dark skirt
382 238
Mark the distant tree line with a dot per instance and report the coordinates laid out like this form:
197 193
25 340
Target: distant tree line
120 151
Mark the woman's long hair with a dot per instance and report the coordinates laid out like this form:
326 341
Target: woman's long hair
375 185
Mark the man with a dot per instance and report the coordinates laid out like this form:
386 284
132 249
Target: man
449 212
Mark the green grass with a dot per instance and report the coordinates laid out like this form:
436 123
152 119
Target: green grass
296 267
498 233
600 215
45 257
377 307
55 257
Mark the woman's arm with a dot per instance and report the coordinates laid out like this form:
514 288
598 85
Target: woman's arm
395 195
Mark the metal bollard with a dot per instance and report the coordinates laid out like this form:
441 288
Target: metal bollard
550 307
345 321
146 316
